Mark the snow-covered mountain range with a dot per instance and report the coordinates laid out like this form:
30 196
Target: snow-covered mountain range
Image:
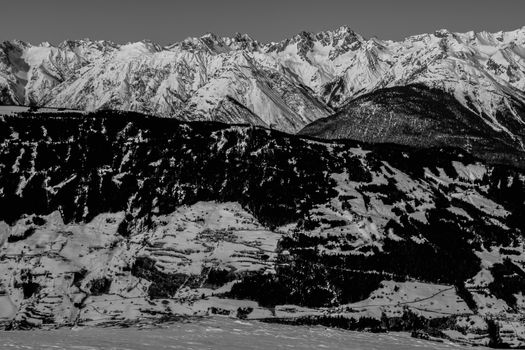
284 85
413 223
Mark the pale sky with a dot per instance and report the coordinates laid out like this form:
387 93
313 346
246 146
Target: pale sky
167 21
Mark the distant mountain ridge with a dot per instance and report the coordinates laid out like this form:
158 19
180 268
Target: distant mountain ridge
285 85
417 116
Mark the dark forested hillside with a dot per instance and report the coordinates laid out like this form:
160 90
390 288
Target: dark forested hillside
148 217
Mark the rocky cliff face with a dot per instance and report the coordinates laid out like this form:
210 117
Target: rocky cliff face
286 85
117 217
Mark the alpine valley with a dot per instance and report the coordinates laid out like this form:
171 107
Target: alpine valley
327 179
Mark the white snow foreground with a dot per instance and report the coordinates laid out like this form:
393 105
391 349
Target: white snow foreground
223 333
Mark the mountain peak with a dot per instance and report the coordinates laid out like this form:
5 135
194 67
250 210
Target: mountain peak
242 37
303 36
241 41
345 30
442 33
210 36
15 43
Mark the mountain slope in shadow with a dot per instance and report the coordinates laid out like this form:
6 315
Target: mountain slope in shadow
421 117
